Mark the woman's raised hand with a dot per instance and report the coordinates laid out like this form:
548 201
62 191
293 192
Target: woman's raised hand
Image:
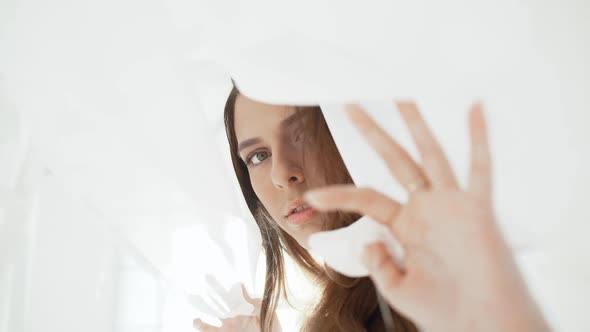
458 273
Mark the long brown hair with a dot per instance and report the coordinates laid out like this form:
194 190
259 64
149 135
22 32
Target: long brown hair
346 304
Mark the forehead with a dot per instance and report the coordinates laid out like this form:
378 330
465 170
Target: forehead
255 119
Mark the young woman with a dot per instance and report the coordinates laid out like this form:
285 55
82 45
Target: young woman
281 153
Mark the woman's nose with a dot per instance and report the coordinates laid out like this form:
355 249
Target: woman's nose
286 171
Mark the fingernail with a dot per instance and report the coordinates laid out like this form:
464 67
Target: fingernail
478 105
352 107
405 104
313 198
354 112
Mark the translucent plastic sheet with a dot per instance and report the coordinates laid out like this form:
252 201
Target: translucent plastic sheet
119 208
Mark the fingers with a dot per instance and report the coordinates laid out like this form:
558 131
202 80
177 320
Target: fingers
247 296
480 177
434 161
364 201
383 270
399 162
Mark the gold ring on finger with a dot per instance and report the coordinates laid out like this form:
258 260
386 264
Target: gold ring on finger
416 185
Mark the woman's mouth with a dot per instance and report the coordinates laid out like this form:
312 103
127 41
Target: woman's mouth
301 215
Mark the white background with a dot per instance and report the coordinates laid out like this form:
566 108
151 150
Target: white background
115 181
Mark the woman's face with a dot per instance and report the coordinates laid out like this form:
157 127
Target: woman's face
281 167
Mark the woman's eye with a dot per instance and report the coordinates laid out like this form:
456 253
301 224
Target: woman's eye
258 157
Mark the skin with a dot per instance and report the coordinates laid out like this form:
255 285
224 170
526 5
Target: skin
458 273
280 174
237 323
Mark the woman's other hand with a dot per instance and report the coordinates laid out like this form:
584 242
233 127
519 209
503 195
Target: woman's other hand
249 323
458 273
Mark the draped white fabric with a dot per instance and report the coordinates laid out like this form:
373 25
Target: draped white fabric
119 209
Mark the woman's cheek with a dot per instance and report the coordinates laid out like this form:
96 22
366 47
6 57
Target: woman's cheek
264 189
257 186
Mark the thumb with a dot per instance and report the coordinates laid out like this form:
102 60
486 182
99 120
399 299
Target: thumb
255 302
383 270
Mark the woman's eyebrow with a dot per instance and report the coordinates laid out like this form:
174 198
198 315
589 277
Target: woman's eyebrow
246 143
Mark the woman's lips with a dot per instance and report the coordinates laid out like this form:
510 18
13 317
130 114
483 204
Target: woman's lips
301 217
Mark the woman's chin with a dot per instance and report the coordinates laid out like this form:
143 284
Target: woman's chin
305 225
301 233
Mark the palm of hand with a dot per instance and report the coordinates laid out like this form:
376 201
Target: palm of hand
441 230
